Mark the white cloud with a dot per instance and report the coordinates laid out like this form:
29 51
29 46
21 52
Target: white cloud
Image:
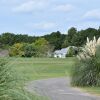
31 5
64 7
44 25
93 14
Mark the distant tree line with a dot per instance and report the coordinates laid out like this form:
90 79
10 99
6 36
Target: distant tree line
56 39
78 38
11 38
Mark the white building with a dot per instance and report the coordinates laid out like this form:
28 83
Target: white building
61 53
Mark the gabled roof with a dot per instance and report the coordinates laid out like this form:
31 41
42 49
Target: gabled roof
64 50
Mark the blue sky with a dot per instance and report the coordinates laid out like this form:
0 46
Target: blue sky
39 17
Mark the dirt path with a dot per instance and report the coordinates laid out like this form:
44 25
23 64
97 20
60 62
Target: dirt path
58 89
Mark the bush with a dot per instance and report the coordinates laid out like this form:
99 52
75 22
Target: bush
22 50
71 52
29 50
87 69
16 50
11 87
8 86
38 49
86 73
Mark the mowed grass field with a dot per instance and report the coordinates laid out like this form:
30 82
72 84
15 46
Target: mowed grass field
41 68
29 69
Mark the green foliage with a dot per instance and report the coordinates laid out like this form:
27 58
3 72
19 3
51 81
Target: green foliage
7 38
22 50
11 84
87 71
56 39
29 50
10 39
8 83
72 51
41 42
23 70
78 38
16 50
40 48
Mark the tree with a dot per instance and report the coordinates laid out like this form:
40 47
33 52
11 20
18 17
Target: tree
16 50
78 38
71 32
29 50
69 38
55 39
42 46
7 38
22 50
72 51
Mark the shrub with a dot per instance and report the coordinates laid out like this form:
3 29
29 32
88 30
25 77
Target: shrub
22 50
39 49
87 69
16 50
10 86
7 82
71 51
29 50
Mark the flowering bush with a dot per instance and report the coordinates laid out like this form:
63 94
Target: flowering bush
87 71
89 50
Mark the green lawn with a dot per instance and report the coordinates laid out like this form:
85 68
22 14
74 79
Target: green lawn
92 90
37 68
28 69
41 68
